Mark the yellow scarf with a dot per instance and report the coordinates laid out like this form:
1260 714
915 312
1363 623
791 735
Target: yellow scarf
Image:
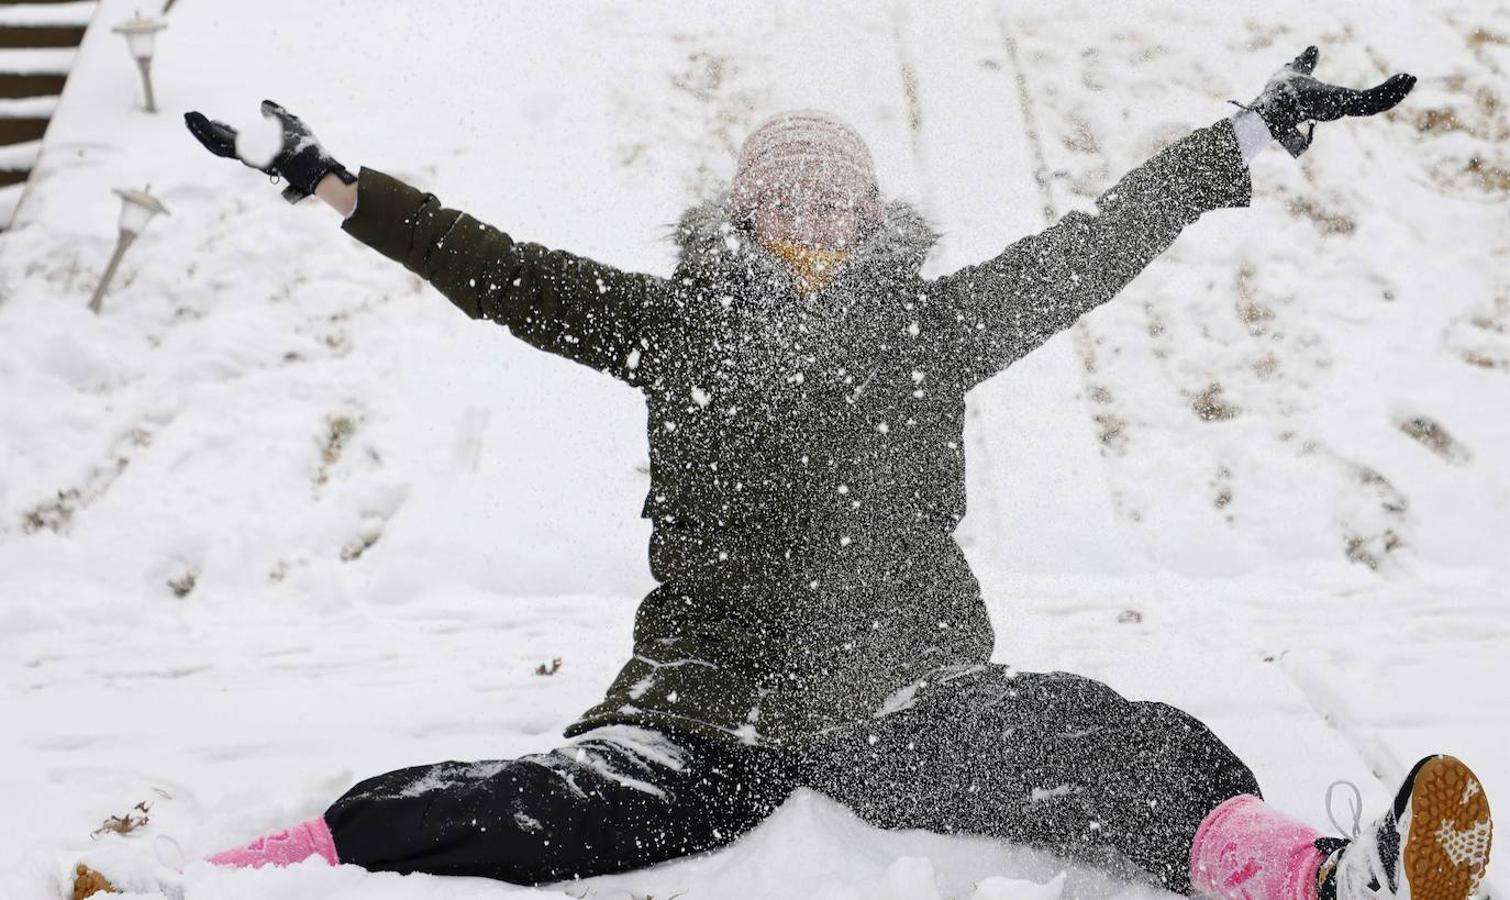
813 267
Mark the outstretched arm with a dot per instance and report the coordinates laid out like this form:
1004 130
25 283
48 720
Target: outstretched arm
559 302
989 315
585 311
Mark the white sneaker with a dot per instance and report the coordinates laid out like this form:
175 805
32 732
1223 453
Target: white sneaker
1431 844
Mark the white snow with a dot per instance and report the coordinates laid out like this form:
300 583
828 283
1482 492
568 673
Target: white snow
19 156
27 107
382 517
36 60
10 196
39 15
1463 844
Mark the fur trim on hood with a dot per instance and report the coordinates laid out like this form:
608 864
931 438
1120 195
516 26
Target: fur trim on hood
712 244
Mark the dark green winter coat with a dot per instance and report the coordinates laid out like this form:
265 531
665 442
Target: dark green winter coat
806 452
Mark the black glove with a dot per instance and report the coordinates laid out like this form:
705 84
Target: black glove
1292 96
301 162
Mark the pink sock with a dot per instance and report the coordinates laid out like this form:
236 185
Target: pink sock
282 848
1247 850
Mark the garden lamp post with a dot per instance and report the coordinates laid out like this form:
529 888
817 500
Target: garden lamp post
137 209
140 35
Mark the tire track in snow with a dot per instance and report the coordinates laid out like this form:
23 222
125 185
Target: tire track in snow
1029 119
981 457
1033 471
1108 424
1091 395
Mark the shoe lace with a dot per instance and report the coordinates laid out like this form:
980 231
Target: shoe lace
1359 869
1355 808
1332 848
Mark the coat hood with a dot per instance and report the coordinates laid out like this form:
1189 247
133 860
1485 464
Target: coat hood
712 243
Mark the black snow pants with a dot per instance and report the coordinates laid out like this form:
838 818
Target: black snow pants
1049 760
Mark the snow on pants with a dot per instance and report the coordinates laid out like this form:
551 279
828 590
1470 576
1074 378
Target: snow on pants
1050 760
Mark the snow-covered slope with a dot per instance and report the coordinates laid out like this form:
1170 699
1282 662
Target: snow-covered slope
280 518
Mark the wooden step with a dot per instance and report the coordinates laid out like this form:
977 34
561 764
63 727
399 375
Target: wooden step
41 36
12 176
14 85
16 130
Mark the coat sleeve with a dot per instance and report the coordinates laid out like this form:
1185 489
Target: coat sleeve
989 315
560 303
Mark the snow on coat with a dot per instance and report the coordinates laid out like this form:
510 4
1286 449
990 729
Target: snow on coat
806 450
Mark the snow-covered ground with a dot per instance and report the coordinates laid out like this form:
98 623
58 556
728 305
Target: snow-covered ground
280 518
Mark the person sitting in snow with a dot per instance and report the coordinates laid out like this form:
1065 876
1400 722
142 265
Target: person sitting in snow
815 622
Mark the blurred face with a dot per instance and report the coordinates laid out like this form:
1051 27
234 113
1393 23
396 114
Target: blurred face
807 210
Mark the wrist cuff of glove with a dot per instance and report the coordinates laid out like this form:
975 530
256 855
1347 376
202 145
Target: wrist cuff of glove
1282 123
1294 141
297 191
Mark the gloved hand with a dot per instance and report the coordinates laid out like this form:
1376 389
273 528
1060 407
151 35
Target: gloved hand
300 161
1292 96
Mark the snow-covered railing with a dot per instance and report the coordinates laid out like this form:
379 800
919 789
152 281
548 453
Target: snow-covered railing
27 107
19 156
37 61
47 15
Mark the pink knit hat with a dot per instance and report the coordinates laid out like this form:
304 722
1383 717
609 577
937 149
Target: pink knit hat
807 178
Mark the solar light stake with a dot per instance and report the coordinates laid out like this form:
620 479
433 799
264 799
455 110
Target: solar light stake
140 34
150 101
137 209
